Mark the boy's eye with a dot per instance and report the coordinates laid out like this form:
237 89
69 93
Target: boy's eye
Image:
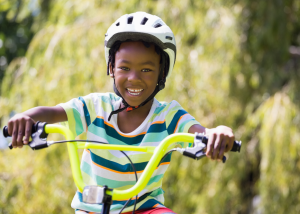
146 70
124 68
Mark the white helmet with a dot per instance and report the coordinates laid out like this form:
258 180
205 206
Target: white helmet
145 27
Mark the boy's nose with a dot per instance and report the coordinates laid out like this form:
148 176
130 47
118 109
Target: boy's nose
134 75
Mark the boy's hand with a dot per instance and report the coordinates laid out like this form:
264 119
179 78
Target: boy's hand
19 126
220 140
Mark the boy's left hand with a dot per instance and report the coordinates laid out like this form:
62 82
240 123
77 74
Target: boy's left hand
220 140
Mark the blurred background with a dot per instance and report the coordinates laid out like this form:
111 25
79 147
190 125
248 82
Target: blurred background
238 64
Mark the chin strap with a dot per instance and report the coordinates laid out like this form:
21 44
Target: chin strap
159 86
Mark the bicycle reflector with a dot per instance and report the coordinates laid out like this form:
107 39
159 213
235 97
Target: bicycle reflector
96 195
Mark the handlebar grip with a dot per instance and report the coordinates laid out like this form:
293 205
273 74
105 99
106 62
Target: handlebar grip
5 132
236 146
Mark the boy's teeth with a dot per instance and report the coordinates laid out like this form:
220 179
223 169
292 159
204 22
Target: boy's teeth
134 91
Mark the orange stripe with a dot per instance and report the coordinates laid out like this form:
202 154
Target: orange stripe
165 163
155 205
159 122
178 122
103 167
119 132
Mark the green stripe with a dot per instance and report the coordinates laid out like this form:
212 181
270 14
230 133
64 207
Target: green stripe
78 123
85 167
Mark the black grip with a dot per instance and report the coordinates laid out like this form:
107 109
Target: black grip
236 146
5 132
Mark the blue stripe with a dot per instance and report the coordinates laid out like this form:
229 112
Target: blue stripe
113 133
167 158
149 204
86 112
85 167
157 127
116 166
79 194
119 167
174 121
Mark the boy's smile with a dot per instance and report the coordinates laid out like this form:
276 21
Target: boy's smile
136 71
134 92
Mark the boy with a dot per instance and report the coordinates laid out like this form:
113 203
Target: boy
140 52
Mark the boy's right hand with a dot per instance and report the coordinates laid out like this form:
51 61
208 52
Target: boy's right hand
20 127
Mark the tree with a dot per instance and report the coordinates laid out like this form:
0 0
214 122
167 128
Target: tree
237 64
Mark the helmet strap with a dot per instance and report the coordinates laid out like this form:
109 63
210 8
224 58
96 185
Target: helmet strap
159 86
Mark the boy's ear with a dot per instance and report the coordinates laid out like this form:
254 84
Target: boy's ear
111 74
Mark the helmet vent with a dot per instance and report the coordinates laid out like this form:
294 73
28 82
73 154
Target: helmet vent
129 20
118 24
144 21
157 25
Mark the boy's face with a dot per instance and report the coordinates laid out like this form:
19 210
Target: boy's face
136 71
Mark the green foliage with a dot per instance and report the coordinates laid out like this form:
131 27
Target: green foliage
15 33
237 65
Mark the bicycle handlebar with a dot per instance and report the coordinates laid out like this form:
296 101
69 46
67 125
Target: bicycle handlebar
235 148
42 130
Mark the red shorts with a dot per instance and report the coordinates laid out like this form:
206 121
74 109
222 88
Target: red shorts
159 210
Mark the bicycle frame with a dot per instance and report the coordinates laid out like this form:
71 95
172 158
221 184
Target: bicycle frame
158 152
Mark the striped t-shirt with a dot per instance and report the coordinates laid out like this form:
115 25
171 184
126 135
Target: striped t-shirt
107 167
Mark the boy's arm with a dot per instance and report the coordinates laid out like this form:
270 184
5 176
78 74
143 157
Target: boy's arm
20 125
220 140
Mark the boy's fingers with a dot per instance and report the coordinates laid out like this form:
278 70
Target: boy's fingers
210 145
217 145
222 148
229 143
14 135
9 128
20 134
28 130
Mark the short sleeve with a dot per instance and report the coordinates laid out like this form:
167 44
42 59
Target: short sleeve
178 120
186 123
80 112
76 120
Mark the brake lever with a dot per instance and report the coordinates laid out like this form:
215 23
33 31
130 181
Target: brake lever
197 151
39 136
